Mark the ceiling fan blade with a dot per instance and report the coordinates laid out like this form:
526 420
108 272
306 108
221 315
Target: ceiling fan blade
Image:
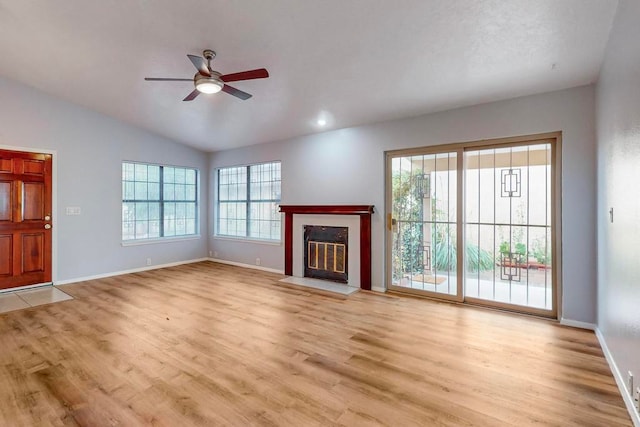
236 92
161 79
200 64
260 73
192 95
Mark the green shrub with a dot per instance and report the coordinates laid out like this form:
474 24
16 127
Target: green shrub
445 248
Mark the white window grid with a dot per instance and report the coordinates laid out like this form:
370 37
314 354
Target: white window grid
248 199
158 201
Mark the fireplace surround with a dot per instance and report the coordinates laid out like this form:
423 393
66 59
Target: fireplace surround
364 213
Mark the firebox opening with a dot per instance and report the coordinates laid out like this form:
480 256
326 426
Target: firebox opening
325 253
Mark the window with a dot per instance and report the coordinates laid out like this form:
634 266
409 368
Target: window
158 201
248 198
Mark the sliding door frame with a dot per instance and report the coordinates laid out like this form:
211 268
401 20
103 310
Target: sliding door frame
555 141
439 149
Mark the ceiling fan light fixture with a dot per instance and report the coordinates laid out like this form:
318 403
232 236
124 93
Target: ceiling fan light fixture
208 80
208 85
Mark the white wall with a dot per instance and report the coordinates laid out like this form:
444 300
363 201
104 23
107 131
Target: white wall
347 167
338 167
90 148
618 148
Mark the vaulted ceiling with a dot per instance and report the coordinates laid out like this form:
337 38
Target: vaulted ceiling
348 61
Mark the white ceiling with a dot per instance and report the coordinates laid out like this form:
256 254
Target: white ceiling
352 61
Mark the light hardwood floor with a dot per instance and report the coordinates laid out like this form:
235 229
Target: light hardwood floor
211 344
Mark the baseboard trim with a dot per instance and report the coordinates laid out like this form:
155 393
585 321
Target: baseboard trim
240 264
133 270
620 381
378 289
577 324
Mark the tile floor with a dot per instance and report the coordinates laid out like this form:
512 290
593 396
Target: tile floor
18 300
323 285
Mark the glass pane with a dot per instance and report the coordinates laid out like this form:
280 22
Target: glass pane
255 191
141 191
180 192
508 257
424 239
190 192
128 230
191 210
142 211
180 210
223 192
143 183
128 211
223 176
180 227
142 229
472 195
232 219
500 174
190 176
263 186
223 228
169 191
179 175
128 190
169 210
140 172
168 174
154 211
154 191
154 229
128 171
169 227
190 225
153 173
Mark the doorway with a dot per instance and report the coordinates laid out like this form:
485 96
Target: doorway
476 223
25 218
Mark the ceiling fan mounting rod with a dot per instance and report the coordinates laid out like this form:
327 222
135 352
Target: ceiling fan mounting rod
208 54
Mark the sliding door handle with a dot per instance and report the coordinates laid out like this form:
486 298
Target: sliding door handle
392 223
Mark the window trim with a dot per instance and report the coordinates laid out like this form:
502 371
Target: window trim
269 242
246 238
152 240
155 240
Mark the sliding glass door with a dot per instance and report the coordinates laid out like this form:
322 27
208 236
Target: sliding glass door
423 224
508 226
475 223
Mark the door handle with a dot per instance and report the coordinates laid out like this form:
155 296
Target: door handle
47 226
392 223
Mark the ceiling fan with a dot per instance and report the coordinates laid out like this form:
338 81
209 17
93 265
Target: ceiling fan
208 80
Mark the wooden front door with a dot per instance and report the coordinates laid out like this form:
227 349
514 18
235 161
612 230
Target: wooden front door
25 219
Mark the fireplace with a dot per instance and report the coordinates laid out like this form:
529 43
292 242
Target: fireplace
325 253
356 218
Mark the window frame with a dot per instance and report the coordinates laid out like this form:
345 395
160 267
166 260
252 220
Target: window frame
248 201
161 203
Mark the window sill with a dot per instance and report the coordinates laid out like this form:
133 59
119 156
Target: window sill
249 240
159 240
